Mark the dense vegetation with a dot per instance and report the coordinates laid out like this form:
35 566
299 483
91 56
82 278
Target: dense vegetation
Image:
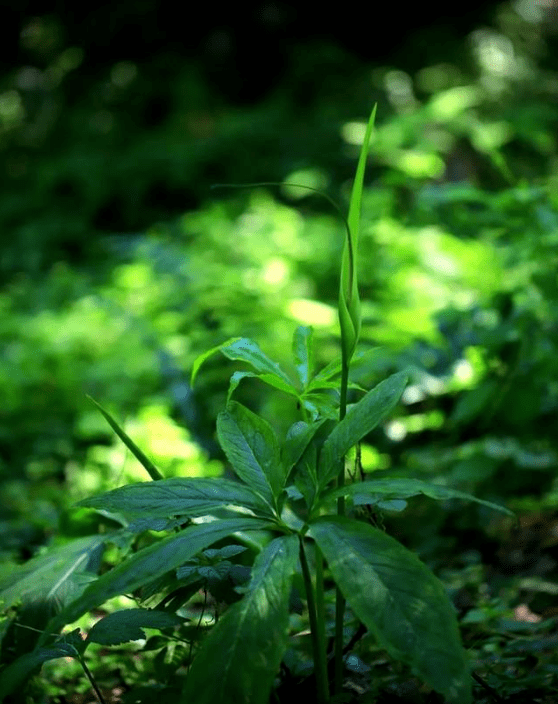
121 266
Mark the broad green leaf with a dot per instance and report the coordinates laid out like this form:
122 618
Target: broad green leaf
178 496
270 379
298 437
206 355
322 405
349 303
128 624
245 350
59 574
303 352
241 349
399 600
152 562
252 449
18 672
305 476
361 418
130 444
378 490
239 659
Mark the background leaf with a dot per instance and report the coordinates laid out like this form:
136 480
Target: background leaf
128 624
399 600
305 476
378 490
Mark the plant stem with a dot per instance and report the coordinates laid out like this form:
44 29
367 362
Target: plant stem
320 598
318 646
339 600
91 679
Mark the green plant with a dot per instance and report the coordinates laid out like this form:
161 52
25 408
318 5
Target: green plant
295 492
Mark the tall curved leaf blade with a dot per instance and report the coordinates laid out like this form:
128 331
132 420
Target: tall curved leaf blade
399 600
150 563
240 657
252 449
349 303
178 496
130 444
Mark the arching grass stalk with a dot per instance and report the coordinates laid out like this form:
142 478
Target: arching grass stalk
349 321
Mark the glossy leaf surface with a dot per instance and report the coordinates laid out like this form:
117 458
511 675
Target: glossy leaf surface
252 449
178 496
378 490
399 600
361 418
245 350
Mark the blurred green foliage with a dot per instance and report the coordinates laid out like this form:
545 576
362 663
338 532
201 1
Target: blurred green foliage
457 253
120 266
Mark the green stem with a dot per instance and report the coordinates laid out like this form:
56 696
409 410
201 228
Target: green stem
91 679
339 600
318 646
320 597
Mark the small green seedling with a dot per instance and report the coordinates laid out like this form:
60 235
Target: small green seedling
393 594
